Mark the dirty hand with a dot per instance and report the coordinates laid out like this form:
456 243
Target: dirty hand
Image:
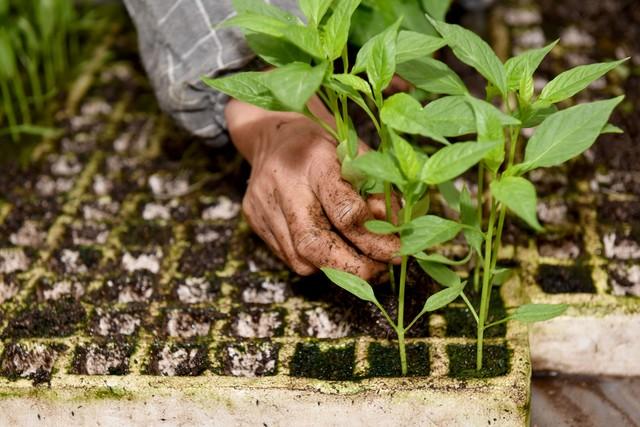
296 200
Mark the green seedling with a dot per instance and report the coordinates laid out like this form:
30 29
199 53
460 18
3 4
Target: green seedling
306 57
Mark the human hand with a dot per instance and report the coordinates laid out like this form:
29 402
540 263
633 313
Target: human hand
297 201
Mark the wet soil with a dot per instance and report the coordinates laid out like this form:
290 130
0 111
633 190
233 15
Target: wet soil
334 363
384 360
103 357
554 279
34 362
462 361
185 359
58 318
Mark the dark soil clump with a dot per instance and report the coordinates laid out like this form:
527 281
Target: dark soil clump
554 279
335 363
102 357
460 323
462 361
58 318
201 260
384 360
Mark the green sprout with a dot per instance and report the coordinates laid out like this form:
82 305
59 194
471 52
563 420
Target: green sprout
306 57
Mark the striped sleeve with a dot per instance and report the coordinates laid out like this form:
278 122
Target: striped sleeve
179 45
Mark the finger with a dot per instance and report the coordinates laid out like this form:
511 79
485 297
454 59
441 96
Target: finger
315 242
260 226
378 207
280 228
348 212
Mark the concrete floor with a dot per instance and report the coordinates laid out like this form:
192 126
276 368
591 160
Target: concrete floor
563 401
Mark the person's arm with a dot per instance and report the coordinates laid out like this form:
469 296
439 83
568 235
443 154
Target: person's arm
179 45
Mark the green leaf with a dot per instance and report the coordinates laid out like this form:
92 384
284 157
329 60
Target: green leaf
425 232
469 48
260 7
314 10
567 84
432 76
405 156
306 38
352 284
381 227
450 194
441 259
610 128
440 273
469 217
453 116
378 58
443 298
275 50
403 113
355 83
248 87
436 8
519 195
412 45
293 85
501 275
530 313
378 165
8 66
489 128
566 134
335 31
524 65
453 160
531 116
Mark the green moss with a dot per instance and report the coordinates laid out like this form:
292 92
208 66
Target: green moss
335 363
114 393
384 360
462 361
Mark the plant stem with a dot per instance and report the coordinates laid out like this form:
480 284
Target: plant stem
486 284
401 296
480 196
8 109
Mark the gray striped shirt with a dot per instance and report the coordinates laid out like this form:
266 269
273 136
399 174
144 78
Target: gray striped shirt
179 45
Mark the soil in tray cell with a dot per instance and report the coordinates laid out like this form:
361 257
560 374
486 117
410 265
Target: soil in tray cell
624 279
86 233
75 260
33 361
255 288
462 361
549 182
106 322
331 362
327 322
460 323
188 323
102 357
249 359
554 279
15 260
52 288
148 260
199 260
621 243
564 246
196 290
10 285
257 322
212 233
161 210
184 359
221 208
143 234
384 360
136 287
100 209
257 256
51 319
618 212
622 182
557 213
